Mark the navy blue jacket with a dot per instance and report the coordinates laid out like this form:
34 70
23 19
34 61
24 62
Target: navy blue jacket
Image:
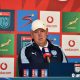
33 54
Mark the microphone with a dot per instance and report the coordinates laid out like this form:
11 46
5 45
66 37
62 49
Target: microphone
46 54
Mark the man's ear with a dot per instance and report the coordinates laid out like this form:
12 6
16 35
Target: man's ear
47 31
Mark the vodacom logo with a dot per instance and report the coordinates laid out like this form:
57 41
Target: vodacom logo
3 66
50 19
71 43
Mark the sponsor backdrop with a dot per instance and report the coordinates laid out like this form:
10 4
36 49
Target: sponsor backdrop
61 16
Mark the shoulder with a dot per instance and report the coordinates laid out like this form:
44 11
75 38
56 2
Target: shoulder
51 45
55 46
28 46
27 49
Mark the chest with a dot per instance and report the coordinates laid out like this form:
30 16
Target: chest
36 56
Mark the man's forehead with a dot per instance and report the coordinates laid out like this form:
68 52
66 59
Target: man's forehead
40 29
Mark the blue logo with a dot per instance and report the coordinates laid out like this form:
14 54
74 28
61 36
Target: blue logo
54 53
7 20
25 19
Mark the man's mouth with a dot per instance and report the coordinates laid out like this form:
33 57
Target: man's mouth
40 38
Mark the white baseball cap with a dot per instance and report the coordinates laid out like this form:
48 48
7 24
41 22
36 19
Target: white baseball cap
38 24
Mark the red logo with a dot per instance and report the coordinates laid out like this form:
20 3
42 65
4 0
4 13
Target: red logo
29 18
50 19
71 43
3 66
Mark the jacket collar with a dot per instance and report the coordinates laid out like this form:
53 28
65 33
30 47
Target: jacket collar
36 46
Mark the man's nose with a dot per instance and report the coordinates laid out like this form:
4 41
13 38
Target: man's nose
39 32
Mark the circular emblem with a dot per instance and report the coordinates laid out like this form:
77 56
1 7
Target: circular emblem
49 19
71 43
3 66
54 53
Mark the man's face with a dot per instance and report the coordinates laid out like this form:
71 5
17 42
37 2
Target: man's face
40 36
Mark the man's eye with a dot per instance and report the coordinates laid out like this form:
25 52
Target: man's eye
35 31
42 30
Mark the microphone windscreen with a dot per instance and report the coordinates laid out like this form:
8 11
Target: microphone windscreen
46 52
46 55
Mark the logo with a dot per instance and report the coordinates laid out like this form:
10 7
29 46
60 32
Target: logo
77 68
4 20
34 53
24 38
6 43
71 43
71 23
7 67
50 19
46 49
29 18
44 72
3 66
34 73
26 73
54 53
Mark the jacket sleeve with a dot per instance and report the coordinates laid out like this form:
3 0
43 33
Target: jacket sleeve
23 57
64 57
21 60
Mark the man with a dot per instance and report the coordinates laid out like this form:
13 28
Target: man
41 50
